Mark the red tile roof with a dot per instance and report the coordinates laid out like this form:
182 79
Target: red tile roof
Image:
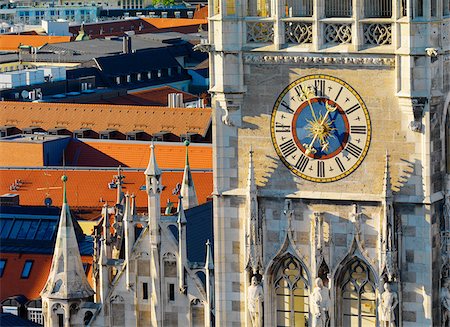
12 284
110 153
175 22
201 12
89 188
12 42
99 117
153 97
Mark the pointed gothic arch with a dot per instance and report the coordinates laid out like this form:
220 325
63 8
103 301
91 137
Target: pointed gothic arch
289 286
356 293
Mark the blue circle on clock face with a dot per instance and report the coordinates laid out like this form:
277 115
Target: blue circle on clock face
337 120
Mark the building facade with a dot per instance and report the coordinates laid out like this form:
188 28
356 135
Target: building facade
331 152
149 269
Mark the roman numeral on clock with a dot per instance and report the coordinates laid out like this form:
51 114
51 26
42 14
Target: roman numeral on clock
320 169
281 128
288 148
302 163
339 93
340 165
354 150
299 90
319 86
285 105
352 109
358 129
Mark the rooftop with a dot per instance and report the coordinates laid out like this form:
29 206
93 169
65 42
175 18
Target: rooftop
12 42
32 138
91 188
154 97
72 116
135 154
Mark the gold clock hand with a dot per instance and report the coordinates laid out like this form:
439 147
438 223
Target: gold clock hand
318 132
307 96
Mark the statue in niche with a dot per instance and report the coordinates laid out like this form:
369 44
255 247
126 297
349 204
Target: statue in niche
255 303
445 302
389 301
320 301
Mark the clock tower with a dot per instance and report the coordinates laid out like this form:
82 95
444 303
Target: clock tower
331 162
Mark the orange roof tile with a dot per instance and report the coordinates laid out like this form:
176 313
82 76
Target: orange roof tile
110 153
89 188
201 13
175 22
12 284
12 42
98 117
15 154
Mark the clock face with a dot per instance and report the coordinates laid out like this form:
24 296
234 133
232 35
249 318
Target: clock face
320 128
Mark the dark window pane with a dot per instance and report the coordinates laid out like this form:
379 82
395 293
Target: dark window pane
24 229
2 266
145 291
171 292
27 269
49 232
5 227
41 230
32 230
15 229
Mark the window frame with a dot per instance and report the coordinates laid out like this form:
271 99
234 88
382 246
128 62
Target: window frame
31 262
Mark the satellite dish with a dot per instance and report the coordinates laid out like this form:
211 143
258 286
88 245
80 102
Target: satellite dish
48 201
24 94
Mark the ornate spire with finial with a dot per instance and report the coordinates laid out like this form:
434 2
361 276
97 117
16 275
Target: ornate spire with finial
152 167
187 186
66 280
387 186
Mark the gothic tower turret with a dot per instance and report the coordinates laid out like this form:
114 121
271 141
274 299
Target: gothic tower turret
153 188
187 187
66 287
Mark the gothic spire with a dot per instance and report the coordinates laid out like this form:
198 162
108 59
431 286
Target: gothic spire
251 184
152 168
66 279
387 186
187 187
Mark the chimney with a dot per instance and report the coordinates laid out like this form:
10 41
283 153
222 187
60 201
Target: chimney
126 43
175 100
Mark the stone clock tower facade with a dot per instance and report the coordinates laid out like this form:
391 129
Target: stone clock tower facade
331 140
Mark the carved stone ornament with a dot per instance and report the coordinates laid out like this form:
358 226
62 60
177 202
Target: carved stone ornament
418 105
445 304
388 62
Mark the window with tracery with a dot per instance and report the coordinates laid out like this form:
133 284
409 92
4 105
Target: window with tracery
338 8
357 296
291 292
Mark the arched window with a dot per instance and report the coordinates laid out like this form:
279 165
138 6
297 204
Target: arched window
259 8
291 292
357 297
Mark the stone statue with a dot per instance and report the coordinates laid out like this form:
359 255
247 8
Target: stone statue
255 303
320 300
389 301
445 302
